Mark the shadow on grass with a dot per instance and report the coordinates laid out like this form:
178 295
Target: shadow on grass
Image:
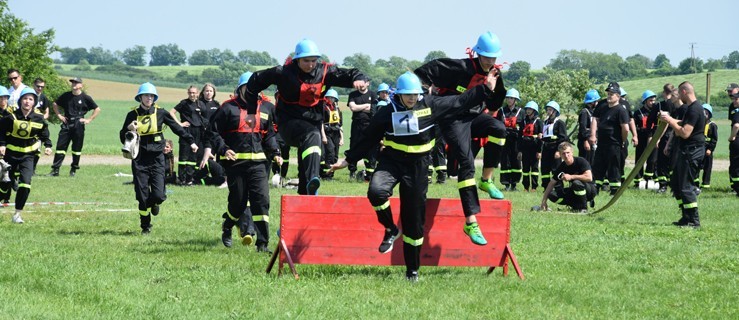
170 246
98 233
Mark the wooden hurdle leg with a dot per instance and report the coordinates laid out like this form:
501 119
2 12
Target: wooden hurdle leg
508 254
273 259
289 260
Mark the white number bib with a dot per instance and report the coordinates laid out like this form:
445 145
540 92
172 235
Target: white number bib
405 123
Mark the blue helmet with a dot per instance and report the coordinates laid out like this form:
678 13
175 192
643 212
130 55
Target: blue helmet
591 96
306 48
488 45
513 93
646 95
554 105
25 91
383 87
533 106
623 92
4 92
244 78
709 109
147 88
408 83
332 93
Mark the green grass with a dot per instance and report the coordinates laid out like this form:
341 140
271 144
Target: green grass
628 262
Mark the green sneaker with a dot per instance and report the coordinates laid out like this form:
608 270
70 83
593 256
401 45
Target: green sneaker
489 187
473 230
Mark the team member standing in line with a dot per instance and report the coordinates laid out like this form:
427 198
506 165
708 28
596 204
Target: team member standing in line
148 121
333 134
193 119
734 143
510 165
611 127
208 97
300 84
5 184
360 103
244 140
711 133
42 107
76 104
25 131
554 133
731 90
645 129
662 168
405 126
584 148
529 146
689 153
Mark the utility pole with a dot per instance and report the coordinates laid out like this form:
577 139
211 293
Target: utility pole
692 56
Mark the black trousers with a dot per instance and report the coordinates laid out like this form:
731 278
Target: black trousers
438 153
648 173
73 131
457 134
413 180
148 179
575 196
212 175
663 167
688 162
707 168
21 171
358 127
330 153
734 164
188 161
581 152
607 166
529 164
285 152
510 166
548 162
306 136
485 126
248 182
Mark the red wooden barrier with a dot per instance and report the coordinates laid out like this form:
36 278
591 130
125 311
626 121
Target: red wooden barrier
344 230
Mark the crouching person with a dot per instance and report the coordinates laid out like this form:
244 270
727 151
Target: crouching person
576 173
148 121
23 133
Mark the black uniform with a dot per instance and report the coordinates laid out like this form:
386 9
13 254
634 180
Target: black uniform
645 130
6 185
75 108
148 166
453 77
625 149
553 133
408 140
688 157
607 161
577 193
734 153
510 166
360 121
711 133
41 106
194 113
332 127
584 118
662 168
22 138
299 109
246 129
529 145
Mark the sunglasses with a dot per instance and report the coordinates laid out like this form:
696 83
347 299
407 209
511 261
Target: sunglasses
12 78
40 87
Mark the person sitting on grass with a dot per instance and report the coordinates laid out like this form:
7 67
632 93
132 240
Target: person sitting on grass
577 173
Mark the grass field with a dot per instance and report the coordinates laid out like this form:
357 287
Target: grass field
89 261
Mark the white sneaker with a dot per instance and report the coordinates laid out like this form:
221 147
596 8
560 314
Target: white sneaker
17 218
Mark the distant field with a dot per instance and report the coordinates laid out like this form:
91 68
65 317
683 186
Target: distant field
719 80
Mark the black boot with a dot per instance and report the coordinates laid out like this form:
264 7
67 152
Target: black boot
146 224
226 227
441 176
54 172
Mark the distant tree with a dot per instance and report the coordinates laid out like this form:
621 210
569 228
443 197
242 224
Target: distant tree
714 64
632 69
100 56
517 70
641 59
82 66
226 74
690 65
73 55
215 56
324 58
567 60
200 58
167 55
257 58
732 61
134 56
360 61
228 56
382 63
661 62
432 55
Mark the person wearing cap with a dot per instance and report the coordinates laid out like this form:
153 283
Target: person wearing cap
300 83
553 133
451 77
25 132
404 126
687 154
76 104
731 90
734 144
148 120
645 130
5 184
611 127
711 133
530 131
668 104
361 102
577 174
584 118
15 78
332 134
243 138
510 165
194 119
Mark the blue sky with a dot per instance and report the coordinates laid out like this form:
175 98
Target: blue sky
532 31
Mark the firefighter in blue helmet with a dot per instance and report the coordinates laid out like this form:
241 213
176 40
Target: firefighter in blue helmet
404 126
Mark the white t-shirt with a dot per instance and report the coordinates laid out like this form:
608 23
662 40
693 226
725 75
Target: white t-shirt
15 94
